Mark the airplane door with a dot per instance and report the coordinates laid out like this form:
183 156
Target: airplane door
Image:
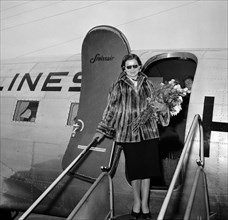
102 52
160 68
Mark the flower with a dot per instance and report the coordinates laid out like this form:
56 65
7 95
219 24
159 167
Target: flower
166 95
171 94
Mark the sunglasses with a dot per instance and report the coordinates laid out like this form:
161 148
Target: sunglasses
130 66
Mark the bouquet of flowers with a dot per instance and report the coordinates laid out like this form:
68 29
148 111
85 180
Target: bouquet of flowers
166 95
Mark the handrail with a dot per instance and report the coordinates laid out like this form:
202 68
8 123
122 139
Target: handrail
193 193
57 180
201 160
196 121
88 193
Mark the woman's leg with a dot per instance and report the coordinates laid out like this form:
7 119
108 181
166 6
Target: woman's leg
145 190
136 187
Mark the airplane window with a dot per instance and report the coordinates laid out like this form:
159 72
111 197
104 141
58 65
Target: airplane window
73 113
26 111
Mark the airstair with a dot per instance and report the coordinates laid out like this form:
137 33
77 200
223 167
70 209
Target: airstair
188 201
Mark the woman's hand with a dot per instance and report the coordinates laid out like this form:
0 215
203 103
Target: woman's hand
98 136
161 107
165 119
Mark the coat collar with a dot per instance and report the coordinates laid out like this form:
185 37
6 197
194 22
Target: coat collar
141 76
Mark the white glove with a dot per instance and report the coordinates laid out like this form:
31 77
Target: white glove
98 136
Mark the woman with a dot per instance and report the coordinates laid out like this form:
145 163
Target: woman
126 102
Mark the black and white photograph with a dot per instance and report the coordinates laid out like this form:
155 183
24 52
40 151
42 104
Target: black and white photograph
114 109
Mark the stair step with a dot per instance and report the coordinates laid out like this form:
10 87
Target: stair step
128 217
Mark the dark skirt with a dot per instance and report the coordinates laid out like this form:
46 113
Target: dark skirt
142 159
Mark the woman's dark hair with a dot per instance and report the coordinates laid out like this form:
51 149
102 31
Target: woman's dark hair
130 57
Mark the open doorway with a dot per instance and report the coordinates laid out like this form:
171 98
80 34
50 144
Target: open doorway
163 68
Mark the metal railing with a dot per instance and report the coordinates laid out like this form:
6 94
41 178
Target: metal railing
187 146
90 198
198 208
57 180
